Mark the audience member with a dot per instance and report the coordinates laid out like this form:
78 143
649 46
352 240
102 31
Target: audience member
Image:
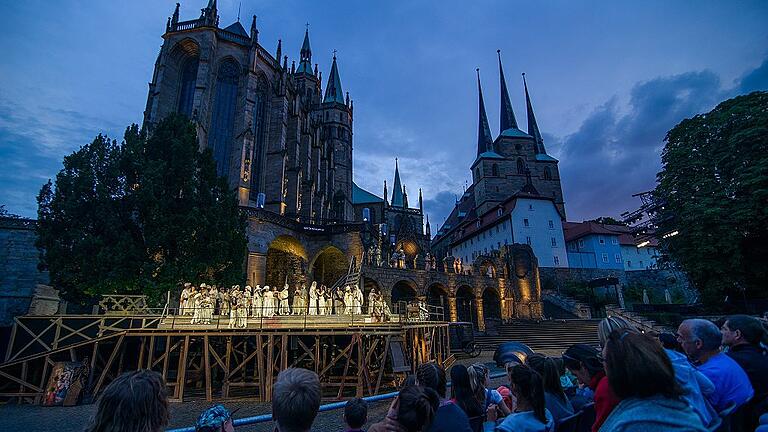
531 414
449 416
295 400
215 419
607 325
480 381
355 415
554 396
412 410
669 341
134 402
461 395
642 376
584 362
701 340
742 335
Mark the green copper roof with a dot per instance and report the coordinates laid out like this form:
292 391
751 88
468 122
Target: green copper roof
362 196
333 92
515 133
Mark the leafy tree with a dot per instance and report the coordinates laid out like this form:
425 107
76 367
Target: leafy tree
714 190
140 216
607 220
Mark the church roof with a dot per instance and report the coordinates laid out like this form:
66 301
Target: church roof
515 133
237 28
333 92
397 190
362 196
545 157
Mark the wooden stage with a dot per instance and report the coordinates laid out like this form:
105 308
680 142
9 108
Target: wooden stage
352 354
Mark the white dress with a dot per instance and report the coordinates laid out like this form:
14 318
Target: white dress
358 302
321 303
196 310
313 299
269 309
256 303
285 309
328 303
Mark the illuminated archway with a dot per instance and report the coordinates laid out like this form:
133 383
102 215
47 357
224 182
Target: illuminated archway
465 305
491 306
437 295
286 262
403 292
328 266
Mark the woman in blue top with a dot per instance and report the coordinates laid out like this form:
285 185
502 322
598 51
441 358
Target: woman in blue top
480 381
530 413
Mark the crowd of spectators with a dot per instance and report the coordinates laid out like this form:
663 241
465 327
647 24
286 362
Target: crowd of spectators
703 378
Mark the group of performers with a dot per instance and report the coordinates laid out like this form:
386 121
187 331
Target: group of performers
206 301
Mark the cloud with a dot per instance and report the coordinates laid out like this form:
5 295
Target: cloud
439 207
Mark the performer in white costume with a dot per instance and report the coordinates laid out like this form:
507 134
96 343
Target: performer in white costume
184 298
328 300
206 307
348 300
268 302
285 308
358 299
247 298
321 300
297 301
195 300
372 303
256 301
234 302
224 301
313 298
338 301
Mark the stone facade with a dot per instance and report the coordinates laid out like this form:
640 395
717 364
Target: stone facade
18 268
270 128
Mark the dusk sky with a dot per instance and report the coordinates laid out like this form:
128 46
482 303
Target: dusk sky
607 79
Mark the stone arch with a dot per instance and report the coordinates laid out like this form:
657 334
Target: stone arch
466 304
328 265
404 290
286 261
547 173
180 73
437 296
491 305
411 249
487 267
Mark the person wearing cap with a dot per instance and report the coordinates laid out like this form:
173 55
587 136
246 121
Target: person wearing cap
215 419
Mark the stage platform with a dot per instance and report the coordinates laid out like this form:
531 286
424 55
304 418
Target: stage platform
288 322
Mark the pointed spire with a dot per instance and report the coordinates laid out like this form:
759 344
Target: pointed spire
175 18
533 128
285 63
254 31
484 140
421 202
211 13
397 190
333 92
507 119
279 53
429 229
306 50
386 199
315 69
405 198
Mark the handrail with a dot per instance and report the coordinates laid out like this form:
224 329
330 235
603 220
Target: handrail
263 418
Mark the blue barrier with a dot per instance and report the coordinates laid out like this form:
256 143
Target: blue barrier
327 407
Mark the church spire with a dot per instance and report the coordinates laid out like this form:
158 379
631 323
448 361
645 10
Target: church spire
397 189
429 229
211 14
507 119
333 92
254 32
279 53
484 140
306 50
533 128
386 203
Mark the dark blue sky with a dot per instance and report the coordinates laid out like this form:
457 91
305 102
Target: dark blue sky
607 79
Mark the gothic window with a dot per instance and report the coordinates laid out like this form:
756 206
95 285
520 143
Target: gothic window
520 166
495 170
223 117
547 174
187 87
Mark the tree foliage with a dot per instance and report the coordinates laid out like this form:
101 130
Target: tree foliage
607 220
140 216
714 190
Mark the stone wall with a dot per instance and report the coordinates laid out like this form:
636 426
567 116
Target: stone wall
18 268
556 278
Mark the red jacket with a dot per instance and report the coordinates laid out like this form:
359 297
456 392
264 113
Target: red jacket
605 400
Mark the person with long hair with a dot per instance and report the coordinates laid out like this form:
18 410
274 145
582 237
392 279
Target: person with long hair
585 363
531 413
135 401
462 396
479 380
449 417
643 377
412 410
555 399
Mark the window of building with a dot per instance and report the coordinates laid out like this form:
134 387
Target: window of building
629 264
223 117
614 240
617 257
520 166
526 222
547 174
187 87
554 242
495 170
557 260
601 240
528 240
477 224
581 244
530 207
605 257
499 212
551 225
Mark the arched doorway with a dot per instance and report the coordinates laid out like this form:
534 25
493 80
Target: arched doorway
465 305
437 296
491 306
329 265
402 293
368 285
286 262
487 269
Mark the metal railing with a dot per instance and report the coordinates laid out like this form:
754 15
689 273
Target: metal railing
263 418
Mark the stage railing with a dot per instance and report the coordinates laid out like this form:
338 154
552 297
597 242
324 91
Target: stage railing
263 418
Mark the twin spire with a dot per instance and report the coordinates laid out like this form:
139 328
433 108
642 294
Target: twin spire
507 120
397 189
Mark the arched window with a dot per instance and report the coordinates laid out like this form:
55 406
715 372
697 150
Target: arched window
223 117
547 174
187 86
520 166
495 170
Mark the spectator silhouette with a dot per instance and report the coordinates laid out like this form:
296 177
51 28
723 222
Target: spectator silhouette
295 400
135 401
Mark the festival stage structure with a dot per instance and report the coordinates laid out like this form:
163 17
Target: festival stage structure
353 354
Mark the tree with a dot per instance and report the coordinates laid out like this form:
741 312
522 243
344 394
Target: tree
607 220
140 216
714 190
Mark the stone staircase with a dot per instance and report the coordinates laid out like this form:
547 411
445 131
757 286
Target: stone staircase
549 336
